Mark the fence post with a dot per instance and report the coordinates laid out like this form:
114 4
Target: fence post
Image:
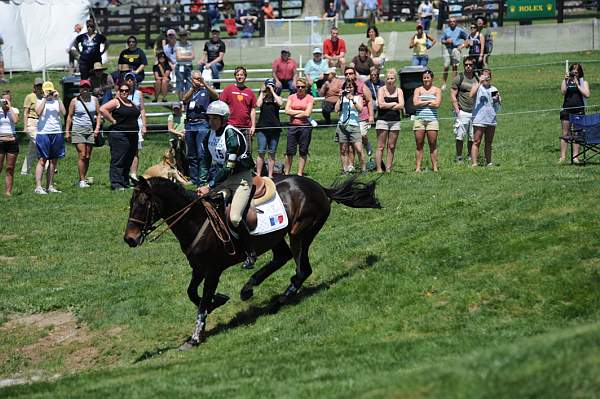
515 40
501 8
147 30
280 9
207 27
560 8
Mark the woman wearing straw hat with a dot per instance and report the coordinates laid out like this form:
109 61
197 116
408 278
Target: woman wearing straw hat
102 83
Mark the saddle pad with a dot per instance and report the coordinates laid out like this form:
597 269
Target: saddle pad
270 216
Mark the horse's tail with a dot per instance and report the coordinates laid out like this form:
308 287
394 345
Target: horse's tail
352 193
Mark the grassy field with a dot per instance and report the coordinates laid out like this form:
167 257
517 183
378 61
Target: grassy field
468 284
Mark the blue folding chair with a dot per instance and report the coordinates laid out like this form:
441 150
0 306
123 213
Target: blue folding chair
585 131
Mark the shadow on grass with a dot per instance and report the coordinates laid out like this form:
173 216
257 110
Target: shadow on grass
273 305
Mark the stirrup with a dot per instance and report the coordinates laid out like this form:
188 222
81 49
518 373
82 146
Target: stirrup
250 260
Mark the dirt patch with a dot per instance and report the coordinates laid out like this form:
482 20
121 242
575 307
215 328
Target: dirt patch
58 337
8 237
7 259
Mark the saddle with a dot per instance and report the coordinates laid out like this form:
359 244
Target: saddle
263 190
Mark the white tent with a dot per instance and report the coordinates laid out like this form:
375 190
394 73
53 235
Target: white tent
37 33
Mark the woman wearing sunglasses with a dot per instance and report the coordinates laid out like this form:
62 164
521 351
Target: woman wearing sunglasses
299 107
123 114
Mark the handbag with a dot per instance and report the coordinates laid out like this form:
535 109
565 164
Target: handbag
99 140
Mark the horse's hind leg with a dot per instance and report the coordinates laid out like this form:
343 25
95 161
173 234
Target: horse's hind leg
281 254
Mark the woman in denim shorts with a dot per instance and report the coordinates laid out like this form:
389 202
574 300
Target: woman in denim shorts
348 132
9 148
268 127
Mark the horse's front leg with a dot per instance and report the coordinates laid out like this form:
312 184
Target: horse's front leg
192 291
208 292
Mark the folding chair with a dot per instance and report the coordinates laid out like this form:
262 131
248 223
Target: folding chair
585 131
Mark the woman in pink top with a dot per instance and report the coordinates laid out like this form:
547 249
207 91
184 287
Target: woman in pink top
299 107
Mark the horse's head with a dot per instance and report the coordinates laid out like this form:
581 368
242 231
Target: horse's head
143 213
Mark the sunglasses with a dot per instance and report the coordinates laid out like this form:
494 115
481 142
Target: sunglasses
131 42
470 65
301 87
124 90
348 73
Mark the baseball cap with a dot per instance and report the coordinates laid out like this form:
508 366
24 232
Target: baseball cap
38 81
215 30
317 50
85 83
171 32
286 50
183 32
129 75
270 82
331 70
176 105
47 86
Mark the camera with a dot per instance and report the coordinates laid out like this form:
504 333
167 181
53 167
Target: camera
572 74
344 93
2 102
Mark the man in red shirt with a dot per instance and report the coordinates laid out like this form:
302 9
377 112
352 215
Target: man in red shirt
335 49
284 72
242 105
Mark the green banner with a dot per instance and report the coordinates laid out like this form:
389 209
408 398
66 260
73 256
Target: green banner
530 9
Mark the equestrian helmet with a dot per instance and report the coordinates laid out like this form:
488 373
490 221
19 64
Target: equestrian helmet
218 108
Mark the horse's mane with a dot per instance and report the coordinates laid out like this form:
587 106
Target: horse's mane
163 184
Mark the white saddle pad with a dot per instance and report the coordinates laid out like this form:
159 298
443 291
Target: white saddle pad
271 217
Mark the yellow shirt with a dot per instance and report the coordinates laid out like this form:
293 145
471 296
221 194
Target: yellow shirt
420 45
29 103
379 41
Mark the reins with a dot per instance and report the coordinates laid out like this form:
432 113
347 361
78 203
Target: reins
219 227
178 215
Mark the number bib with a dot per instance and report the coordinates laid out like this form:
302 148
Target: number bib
217 147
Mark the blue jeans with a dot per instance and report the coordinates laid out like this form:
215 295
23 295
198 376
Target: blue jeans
183 73
215 69
420 60
195 134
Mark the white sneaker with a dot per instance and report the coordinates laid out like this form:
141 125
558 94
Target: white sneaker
350 169
444 87
40 190
52 189
83 184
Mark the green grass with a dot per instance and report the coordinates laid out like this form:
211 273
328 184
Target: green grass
469 283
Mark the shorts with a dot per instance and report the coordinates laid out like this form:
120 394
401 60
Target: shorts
393 126
483 124
451 57
564 113
267 141
421 124
298 136
50 146
463 126
82 136
348 134
9 147
364 128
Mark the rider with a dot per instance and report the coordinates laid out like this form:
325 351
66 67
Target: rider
226 165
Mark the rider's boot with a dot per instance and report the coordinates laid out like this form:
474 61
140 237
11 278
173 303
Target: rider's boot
244 241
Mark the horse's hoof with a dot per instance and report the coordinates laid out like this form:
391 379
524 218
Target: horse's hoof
189 344
246 293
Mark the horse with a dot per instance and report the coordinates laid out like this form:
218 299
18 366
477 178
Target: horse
306 202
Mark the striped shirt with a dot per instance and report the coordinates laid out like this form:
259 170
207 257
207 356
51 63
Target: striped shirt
426 113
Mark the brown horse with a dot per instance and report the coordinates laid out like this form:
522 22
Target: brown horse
307 205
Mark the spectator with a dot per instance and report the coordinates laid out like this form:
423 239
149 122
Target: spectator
90 46
123 138
371 9
426 99
366 114
213 55
212 11
134 58
242 104
9 148
82 127
176 121
363 63
425 14
267 10
462 103
268 127
576 91
315 70
476 43
30 123
169 48
390 102
335 49
488 46
349 105
248 21
299 107
2 80
49 139
487 103
73 54
162 77
159 43
284 72
376 45
331 90
421 42
453 40
102 83
137 98
331 12
184 55
373 84
196 101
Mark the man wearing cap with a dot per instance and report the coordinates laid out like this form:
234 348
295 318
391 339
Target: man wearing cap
316 69
453 40
102 83
212 56
335 49
184 55
331 90
169 48
30 124
196 101
284 72
90 46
